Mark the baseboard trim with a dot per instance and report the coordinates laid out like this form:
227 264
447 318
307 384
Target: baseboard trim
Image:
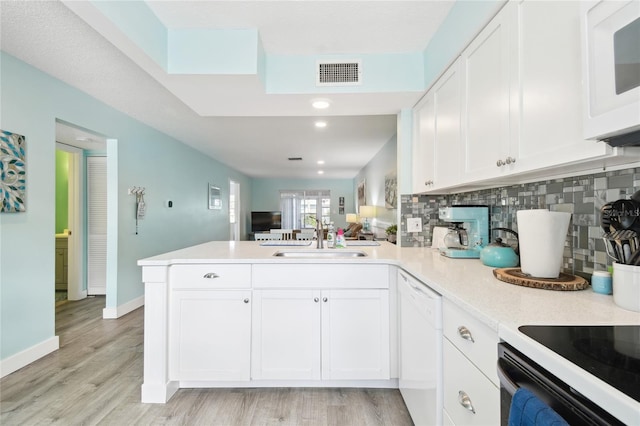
121 310
29 355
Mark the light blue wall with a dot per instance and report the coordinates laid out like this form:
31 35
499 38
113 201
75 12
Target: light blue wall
140 24
138 156
266 194
462 24
205 51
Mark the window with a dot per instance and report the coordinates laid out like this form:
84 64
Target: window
301 208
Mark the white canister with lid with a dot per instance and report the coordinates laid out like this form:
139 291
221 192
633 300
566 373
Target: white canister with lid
626 286
601 282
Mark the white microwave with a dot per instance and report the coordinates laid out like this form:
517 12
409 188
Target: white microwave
611 70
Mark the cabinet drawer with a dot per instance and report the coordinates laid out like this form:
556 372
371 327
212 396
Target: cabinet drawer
304 275
475 340
461 378
210 276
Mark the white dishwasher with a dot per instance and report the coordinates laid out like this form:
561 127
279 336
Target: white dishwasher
420 379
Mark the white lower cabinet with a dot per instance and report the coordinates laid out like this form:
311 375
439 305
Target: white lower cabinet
470 356
210 335
470 398
312 334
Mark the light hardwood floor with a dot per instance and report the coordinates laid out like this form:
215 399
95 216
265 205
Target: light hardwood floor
96 375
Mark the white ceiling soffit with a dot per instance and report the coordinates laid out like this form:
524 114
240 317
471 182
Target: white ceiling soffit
247 129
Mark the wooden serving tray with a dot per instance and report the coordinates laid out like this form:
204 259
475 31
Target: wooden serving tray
565 282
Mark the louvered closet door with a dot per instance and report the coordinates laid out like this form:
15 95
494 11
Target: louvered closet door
96 225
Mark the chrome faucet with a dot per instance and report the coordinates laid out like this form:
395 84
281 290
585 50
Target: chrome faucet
319 232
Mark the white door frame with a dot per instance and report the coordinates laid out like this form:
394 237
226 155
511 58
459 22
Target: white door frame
234 190
75 270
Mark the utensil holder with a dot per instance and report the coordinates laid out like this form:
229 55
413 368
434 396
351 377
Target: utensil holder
626 286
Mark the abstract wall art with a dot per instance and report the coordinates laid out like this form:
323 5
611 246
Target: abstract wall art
12 172
391 190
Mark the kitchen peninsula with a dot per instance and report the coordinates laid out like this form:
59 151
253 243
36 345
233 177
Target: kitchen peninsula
183 284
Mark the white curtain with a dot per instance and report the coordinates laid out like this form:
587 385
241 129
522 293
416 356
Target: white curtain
292 203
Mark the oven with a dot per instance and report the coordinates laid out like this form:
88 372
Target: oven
515 370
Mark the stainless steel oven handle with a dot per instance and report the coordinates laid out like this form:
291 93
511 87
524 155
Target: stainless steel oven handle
505 380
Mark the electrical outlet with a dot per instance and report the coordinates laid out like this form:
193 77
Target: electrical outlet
414 224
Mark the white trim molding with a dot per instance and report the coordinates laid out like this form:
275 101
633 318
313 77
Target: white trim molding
29 355
121 310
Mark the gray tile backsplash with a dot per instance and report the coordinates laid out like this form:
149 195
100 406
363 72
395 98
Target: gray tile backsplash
583 196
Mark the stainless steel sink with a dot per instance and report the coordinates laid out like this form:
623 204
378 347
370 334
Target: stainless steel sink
321 254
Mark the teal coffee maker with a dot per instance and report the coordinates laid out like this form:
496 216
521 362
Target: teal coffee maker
468 230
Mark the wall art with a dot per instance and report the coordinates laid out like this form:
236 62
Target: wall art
12 172
362 194
391 191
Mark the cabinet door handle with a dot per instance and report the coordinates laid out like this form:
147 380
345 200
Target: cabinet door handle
316 299
324 299
510 160
211 275
246 300
465 333
500 163
465 401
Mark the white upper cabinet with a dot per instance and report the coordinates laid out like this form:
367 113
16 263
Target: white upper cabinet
510 108
424 133
487 92
436 161
549 108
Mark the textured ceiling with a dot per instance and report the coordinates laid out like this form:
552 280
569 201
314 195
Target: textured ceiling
259 132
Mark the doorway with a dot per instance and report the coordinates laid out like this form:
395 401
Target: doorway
75 149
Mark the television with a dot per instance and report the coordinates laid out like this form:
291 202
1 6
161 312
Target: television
264 221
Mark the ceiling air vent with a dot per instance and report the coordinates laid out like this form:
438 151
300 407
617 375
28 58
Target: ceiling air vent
339 73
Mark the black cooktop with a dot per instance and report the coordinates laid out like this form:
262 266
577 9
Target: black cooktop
611 353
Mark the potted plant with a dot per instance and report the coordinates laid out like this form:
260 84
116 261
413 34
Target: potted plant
391 231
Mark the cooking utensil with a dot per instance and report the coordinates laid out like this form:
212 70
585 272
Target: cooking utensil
621 245
605 217
624 213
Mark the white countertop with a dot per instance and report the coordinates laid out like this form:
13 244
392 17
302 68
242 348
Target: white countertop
472 286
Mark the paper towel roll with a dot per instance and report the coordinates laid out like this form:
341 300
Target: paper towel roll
541 235
437 240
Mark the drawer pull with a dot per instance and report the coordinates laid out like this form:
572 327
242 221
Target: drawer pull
211 275
246 300
465 401
465 333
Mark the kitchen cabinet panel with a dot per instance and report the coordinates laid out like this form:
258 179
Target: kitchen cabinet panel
424 144
210 335
469 397
328 334
355 334
436 155
549 112
487 96
286 334
475 340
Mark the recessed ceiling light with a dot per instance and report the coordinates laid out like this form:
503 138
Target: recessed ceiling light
320 161
320 172
320 103
321 124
